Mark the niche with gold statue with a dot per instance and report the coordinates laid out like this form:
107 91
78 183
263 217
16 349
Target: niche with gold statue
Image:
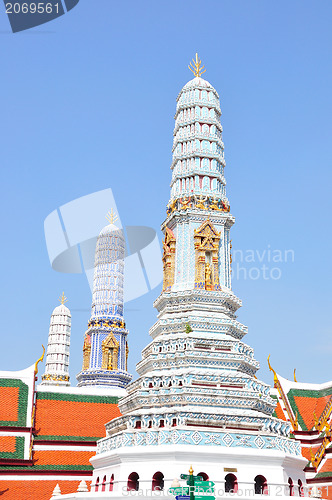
168 259
110 351
86 351
206 241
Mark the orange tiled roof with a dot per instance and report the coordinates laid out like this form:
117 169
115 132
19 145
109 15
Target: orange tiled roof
279 412
85 416
35 490
327 467
61 457
306 451
7 444
308 406
9 403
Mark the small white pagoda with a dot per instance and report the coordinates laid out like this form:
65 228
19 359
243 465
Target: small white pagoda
57 356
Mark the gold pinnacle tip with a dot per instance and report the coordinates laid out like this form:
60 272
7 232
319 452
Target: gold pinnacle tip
111 216
196 66
63 298
191 470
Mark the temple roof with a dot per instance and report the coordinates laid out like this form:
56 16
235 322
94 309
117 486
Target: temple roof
306 400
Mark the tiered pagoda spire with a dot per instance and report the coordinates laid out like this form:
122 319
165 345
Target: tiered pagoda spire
105 349
197 397
57 357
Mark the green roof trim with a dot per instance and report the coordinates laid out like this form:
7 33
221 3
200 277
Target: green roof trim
49 467
323 474
67 438
76 398
23 394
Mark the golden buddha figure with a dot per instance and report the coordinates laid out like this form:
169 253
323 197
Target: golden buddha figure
208 277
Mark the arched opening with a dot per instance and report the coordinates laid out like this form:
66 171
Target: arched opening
133 482
111 482
204 476
291 487
103 484
231 485
261 485
300 488
97 484
158 481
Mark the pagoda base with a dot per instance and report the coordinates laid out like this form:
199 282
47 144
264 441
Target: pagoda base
213 463
103 378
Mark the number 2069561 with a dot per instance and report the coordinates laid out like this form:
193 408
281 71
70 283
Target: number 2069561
32 8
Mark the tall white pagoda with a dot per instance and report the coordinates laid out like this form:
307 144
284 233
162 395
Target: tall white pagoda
197 399
105 349
57 356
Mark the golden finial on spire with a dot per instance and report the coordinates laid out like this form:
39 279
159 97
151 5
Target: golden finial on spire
196 66
191 470
111 216
63 298
275 378
39 360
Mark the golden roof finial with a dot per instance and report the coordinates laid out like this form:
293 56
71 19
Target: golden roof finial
196 67
191 470
111 216
39 360
63 298
275 378
295 375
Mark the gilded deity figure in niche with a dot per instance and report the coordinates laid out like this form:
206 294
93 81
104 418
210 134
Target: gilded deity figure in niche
110 350
168 259
208 277
206 241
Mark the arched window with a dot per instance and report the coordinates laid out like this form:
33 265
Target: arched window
291 487
300 488
261 485
133 482
97 484
231 485
158 481
111 482
103 484
204 476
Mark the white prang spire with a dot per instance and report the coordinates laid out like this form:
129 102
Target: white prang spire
57 358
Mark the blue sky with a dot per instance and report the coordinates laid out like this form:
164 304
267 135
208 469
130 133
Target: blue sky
88 102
